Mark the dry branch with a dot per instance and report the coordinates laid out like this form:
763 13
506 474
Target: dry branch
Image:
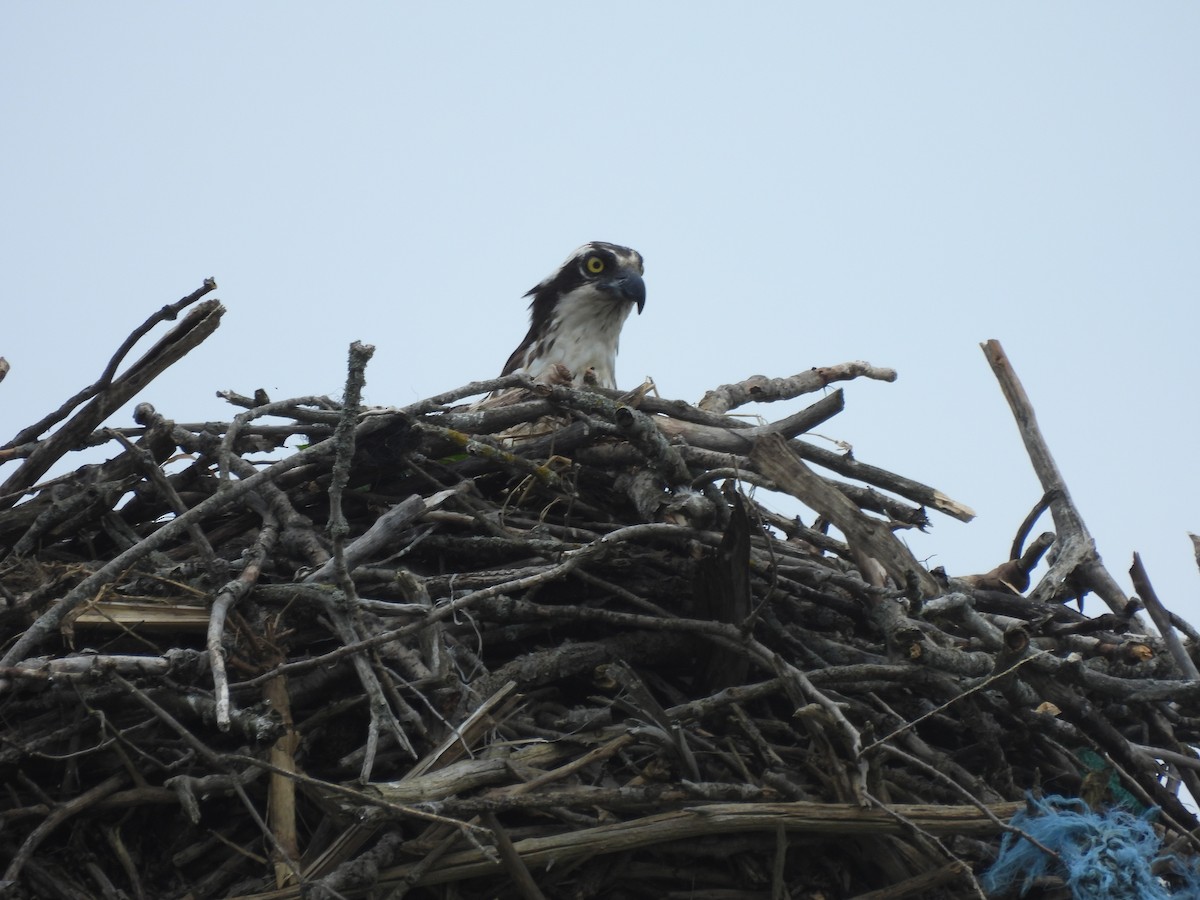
760 389
1077 556
109 392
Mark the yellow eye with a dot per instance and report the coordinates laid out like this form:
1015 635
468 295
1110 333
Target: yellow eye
595 265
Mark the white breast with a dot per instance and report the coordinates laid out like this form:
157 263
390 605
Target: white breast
584 333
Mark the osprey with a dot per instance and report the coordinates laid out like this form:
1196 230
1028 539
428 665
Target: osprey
576 314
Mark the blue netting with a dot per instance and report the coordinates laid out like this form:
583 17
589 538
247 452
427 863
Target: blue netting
1104 856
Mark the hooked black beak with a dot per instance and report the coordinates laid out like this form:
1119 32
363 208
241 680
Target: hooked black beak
629 287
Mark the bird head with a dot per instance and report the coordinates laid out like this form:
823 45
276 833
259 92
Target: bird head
597 269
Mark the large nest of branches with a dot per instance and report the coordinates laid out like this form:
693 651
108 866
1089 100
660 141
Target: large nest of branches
551 644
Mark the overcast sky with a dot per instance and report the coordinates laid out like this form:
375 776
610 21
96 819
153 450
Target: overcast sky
809 184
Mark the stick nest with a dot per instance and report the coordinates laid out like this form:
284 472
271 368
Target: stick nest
552 644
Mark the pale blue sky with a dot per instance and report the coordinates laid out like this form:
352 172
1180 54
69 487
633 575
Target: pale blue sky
809 184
